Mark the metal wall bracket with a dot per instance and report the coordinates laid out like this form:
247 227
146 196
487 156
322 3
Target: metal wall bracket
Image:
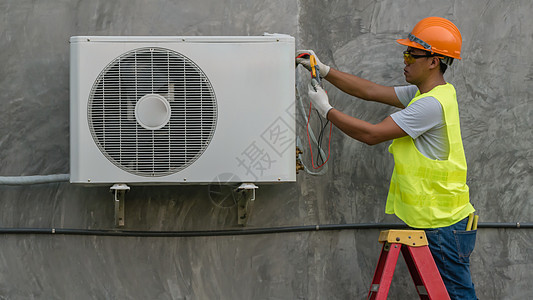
245 204
119 192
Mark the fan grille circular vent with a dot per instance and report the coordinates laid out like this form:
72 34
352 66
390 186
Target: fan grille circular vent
181 101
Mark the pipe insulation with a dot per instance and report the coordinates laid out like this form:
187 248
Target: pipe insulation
35 179
235 232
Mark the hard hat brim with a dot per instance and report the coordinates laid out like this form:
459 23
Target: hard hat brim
409 43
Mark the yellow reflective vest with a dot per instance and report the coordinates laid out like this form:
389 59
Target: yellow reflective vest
428 193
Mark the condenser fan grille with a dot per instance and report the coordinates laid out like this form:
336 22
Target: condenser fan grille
152 112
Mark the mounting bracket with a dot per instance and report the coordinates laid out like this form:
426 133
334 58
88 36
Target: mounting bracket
245 204
119 192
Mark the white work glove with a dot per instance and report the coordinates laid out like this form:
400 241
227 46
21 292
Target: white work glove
319 99
322 68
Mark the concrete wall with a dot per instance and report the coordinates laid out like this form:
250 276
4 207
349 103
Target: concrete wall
494 82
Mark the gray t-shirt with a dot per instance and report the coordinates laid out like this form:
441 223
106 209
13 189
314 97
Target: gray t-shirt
424 122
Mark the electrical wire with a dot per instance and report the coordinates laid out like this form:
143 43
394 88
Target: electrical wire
313 138
320 136
311 148
236 232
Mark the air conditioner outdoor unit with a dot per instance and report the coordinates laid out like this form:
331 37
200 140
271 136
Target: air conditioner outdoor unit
174 110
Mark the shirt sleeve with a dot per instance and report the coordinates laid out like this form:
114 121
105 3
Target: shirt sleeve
406 93
419 117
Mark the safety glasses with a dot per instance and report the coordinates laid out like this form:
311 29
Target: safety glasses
410 58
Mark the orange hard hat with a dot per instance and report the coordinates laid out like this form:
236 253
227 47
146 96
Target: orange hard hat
436 35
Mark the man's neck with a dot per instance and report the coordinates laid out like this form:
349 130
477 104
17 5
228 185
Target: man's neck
431 83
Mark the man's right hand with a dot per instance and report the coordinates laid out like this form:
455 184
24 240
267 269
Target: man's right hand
305 61
319 99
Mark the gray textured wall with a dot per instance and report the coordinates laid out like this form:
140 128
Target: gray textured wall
494 82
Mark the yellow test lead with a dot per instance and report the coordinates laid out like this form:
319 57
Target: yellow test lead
470 220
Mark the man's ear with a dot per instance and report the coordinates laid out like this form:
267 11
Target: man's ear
435 62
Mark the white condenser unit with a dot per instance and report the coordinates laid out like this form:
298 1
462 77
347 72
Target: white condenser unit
175 110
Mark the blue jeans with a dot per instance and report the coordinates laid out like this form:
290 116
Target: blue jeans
451 248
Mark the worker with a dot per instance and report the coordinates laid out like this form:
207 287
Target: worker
428 186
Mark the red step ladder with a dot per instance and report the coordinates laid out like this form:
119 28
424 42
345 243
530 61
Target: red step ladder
414 246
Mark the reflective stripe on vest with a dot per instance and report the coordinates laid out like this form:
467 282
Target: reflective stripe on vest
428 193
